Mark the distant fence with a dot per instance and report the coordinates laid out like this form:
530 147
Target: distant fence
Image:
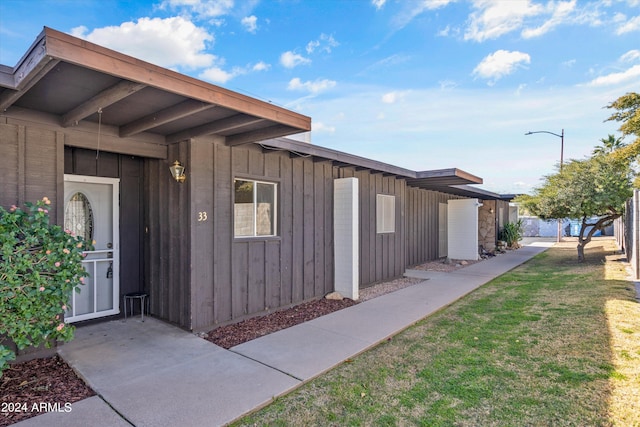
627 233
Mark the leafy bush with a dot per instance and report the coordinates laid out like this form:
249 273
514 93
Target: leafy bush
40 265
512 233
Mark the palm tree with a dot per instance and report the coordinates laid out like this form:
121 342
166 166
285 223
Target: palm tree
609 145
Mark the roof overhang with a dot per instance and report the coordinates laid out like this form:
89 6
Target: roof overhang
477 193
441 179
450 181
76 81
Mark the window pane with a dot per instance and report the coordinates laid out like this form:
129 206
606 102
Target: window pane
385 213
265 214
243 210
78 217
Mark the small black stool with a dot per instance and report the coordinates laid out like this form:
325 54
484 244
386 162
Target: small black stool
132 296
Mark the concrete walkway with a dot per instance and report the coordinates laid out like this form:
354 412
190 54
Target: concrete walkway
154 374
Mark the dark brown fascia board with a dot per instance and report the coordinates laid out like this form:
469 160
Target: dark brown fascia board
337 156
478 193
446 173
258 135
80 52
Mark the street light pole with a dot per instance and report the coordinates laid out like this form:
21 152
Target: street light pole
561 136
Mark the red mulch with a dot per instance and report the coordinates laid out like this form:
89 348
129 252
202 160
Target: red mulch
47 382
238 333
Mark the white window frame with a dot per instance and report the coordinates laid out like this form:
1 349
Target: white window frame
385 213
274 215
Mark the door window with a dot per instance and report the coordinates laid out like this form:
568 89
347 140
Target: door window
78 217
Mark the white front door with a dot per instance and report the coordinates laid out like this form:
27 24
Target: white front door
91 210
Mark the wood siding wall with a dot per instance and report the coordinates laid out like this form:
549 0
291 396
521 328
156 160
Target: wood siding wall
32 167
422 224
167 239
198 274
382 255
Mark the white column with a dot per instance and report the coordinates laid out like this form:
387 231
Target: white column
345 236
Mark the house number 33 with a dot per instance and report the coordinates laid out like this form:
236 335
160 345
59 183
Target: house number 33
202 216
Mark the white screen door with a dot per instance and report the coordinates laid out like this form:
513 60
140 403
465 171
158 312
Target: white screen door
91 210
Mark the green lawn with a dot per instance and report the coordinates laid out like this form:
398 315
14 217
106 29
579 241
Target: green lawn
552 343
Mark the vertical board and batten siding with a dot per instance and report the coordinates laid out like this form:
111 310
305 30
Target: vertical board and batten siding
32 167
167 239
382 255
231 279
422 224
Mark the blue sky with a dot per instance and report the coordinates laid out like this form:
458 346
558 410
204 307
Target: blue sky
418 84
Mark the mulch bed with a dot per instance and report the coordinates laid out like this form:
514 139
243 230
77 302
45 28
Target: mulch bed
247 330
31 388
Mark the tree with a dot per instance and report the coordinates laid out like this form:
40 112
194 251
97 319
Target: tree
628 112
597 187
40 265
609 145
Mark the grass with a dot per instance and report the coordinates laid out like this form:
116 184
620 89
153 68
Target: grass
553 342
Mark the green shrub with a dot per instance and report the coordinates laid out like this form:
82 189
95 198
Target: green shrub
40 265
512 233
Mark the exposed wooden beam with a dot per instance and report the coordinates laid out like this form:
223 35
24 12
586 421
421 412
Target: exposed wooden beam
222 125
259 135
102 100
9 97
161 117
85 54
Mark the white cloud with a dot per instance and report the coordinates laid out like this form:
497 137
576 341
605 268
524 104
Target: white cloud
170 42
629 75
321 127
378 4
290 59
447 84
413 9
560 12
203 9
250 23
630 56
313 87
393 97
631 25
324 44
261 66
499 64
494 18
216 75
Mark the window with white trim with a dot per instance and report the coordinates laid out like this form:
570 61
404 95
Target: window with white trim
254 208
385 213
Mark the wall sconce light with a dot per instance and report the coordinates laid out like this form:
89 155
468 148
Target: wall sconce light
491 210
177 171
